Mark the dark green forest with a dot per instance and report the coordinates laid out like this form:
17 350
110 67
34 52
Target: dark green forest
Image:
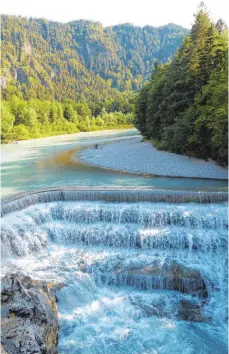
183 108
63 78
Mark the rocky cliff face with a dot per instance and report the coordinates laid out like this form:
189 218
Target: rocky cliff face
29 316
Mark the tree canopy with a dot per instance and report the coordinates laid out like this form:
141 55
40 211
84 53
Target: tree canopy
80 60
35 118
184 106
62 78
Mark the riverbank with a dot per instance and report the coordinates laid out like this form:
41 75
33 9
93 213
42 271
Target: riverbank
143 158
77 134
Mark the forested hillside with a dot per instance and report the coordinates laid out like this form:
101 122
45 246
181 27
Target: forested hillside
81 59
63 78
184 107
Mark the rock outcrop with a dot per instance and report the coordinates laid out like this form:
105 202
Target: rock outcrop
169 275
189 311
2 351
29 316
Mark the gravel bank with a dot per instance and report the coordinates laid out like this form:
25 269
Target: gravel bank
133 155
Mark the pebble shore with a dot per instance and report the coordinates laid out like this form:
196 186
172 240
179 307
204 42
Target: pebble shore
133 155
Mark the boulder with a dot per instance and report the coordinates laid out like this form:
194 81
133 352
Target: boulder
2 351
189 311
185 309
171 275
29 315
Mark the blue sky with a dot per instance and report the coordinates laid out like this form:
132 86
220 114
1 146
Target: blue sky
110 12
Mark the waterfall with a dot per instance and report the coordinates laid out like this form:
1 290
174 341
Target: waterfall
109 195
141 269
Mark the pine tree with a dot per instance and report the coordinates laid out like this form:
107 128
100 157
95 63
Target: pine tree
184 106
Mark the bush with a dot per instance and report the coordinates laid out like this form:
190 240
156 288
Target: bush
20 132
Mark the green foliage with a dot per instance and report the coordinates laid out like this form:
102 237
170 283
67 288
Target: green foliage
7 120
81 60
64 78
184 106
19 132
34 119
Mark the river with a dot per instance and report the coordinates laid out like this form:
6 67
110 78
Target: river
42 163
139 276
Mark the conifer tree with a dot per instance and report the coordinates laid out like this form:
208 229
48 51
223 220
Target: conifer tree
184 106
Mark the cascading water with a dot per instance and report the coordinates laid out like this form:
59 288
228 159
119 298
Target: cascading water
139 277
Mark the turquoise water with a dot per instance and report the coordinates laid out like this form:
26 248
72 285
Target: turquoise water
49 162
129 272
128 269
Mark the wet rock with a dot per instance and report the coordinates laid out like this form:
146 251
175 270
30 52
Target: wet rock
189 311
29 316
2 351
169 275
185 309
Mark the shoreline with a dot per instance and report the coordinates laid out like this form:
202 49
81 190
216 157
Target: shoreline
138 158
115 130
142 174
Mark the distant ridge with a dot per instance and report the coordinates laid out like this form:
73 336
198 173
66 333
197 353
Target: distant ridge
81 60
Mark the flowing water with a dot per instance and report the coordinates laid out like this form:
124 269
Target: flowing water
138 271
135 276
48 162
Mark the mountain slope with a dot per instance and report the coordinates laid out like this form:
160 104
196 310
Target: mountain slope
81 59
